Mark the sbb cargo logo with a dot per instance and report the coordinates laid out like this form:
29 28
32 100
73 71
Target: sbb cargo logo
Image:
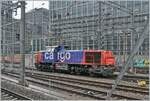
49 56
62 56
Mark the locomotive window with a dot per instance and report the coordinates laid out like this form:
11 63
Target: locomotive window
96 57
92 57
88 57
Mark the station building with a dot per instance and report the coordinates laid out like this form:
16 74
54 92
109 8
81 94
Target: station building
98 24
37 21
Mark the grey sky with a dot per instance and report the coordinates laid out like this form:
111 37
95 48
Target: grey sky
31 4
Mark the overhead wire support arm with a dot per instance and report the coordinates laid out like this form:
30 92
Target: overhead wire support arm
126 66
111 3
13 6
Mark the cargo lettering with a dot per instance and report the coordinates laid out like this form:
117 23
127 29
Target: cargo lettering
62 56
49 56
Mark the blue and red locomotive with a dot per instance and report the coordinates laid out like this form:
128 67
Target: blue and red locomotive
76 61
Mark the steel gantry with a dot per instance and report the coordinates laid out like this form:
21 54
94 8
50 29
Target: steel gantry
145 31
134 50
13 8
22 43
0 35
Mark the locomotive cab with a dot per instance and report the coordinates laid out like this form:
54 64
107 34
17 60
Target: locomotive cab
100 62
99 57
92 57
108 58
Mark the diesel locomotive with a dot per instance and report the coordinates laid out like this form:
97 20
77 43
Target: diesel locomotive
92 62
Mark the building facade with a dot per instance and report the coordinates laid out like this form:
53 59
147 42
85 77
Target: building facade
99 24
37 21
37 25
7 37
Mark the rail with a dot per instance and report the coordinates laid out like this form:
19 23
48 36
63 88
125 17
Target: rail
13 95
88 88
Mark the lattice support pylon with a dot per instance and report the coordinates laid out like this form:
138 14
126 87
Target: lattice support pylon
126 65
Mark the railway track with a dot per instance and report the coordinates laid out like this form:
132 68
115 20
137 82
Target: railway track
85 90
96 84
9 95
93 89
128 78
134 79
128 88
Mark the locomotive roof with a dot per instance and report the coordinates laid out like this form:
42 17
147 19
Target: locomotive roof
74 50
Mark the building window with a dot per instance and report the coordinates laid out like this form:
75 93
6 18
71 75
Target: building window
17 37
79 11
54 14
90 8
84 10
73 11
129 4
145 6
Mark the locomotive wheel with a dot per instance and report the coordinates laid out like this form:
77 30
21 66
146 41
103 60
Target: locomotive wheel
77 71
91 74
71 70
104 74
53 70
39 67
